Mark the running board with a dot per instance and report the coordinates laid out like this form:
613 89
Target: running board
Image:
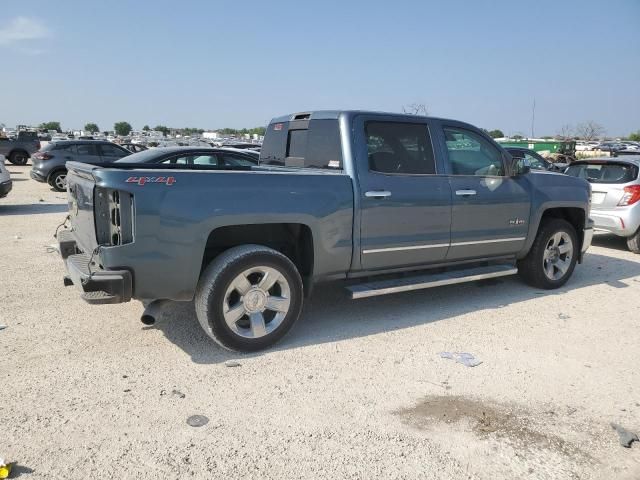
406 284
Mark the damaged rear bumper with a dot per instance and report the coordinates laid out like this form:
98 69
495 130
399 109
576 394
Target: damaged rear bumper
99 286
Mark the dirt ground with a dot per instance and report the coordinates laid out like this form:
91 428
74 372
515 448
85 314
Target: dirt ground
356 390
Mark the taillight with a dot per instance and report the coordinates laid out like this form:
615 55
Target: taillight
42 156
631 195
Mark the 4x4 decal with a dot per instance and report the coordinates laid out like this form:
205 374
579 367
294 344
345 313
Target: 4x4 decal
143 180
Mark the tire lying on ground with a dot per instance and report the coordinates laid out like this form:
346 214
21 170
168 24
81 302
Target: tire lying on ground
553 255
249 297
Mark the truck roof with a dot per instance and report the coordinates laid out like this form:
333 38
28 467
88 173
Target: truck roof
335 114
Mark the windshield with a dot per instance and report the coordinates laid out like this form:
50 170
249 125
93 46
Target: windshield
604 172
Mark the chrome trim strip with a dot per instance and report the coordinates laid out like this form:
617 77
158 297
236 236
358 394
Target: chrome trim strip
498 240
399 249
441 245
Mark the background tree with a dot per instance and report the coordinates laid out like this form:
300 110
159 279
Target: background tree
161 128
122 128
91 127
146 128
497 133
635 136
51 126
590 130
565 132
416 109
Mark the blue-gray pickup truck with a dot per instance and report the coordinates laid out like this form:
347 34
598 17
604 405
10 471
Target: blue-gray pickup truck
383 202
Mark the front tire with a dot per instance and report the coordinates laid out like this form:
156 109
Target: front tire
249 297
553 255
58 180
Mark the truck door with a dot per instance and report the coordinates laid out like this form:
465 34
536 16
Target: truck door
490 215
405 203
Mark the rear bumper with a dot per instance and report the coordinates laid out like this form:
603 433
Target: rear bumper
623 221
98 286
5 188
38 176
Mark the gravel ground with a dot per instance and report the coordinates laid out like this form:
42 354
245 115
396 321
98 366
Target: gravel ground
357 389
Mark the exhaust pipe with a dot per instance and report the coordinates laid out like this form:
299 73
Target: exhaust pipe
152 311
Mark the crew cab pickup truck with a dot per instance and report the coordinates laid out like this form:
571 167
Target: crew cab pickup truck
18 150
383 202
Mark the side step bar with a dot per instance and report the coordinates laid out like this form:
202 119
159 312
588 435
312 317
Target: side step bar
405 284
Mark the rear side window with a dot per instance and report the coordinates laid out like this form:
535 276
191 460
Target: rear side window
402 148
112 151
604 172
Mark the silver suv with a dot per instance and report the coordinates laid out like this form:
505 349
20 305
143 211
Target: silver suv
615 198
49 164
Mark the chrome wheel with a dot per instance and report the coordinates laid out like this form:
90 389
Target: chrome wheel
60 181
557 256
256 302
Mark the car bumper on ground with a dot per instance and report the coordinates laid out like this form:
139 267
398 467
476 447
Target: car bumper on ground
99 286
623 222
38 176
5 188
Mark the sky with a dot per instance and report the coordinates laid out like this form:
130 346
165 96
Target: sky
214 64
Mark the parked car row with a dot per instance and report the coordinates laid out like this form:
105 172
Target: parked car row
49 163
611 147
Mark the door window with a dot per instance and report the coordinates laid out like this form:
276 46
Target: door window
401 148
86 149
471 154
237 160
111 151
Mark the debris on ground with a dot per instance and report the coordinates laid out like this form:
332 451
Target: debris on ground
466 359
5 469
197 420
2 327
177 393
625 436
52 248
563 316
231 363
18 237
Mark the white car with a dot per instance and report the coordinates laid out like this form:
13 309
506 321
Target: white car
5 179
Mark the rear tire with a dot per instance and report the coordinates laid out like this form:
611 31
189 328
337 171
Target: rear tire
19 158
553 255
633 242
249 297
58 180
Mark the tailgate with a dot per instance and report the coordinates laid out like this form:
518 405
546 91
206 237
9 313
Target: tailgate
80 189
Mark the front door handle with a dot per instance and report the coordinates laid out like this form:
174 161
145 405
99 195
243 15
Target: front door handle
465 193
377 194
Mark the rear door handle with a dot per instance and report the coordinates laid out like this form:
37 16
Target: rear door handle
377 194
465 193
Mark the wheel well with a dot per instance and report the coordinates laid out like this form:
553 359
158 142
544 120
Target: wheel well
575 216
291 239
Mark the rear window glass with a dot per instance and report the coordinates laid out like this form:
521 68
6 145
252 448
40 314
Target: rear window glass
297 144
316 147
604 172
